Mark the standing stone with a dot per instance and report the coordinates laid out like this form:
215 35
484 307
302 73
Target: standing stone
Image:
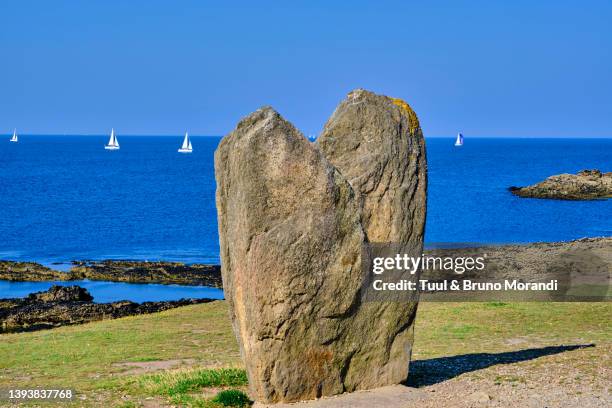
292 220
377 144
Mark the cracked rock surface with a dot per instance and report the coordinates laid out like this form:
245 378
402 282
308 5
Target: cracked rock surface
293 216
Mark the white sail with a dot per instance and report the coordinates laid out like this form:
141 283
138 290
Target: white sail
14 138
186 146
459 141
113 143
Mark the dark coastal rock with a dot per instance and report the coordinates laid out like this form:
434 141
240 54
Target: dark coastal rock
61 294
582 269
291 229
586 185
147 272
60 306
117 271
29 271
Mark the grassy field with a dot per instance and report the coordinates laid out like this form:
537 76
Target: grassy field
187 355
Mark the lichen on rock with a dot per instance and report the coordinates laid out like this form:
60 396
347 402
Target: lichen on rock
293 217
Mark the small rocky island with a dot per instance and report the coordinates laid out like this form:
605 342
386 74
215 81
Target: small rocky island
66 305
586 185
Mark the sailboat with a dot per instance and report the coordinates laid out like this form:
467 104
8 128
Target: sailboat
459 141
186 147
14 138
113 143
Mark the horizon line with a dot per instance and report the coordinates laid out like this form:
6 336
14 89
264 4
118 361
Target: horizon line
218 135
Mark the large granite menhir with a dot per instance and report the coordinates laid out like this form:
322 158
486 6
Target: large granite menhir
293 216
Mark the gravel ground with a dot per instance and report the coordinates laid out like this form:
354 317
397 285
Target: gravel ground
551 376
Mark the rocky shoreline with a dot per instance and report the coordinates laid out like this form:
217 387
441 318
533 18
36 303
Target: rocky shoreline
116 271
504 261
29 272
582 267
586 185
61 306
68 305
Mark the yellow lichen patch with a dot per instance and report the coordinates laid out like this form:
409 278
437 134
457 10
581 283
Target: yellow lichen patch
412 117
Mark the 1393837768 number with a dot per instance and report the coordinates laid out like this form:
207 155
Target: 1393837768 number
38 394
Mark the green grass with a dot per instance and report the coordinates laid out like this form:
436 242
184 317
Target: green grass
184 387
447 329
496 304
500 379
88 357
232 398
225 398
181 382
91 358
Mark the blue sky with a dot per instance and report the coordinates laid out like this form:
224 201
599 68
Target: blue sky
520 68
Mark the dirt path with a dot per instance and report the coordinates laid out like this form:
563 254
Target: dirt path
553 377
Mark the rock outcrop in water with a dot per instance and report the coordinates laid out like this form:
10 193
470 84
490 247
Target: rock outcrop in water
29 271
116 271
66 305
147 272
60 294
293 216
586 185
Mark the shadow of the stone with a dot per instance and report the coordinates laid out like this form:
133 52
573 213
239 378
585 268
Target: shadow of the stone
435 370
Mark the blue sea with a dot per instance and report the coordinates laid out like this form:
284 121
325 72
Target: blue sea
104 292
65 197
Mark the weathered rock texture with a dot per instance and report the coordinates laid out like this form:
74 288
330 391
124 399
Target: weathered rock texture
293 216
147 272
116 271
67 305
29 271
61 294
377 144
586 185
